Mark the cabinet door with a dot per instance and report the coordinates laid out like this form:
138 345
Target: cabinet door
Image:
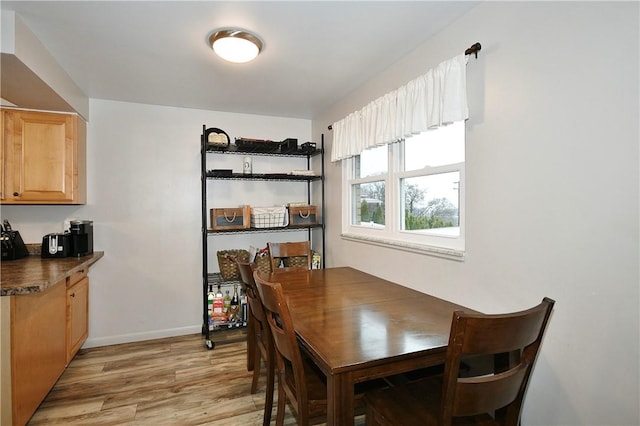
77 316
37 348
41 157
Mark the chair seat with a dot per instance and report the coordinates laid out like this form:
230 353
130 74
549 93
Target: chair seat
415 403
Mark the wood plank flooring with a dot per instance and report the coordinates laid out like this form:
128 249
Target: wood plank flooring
174 381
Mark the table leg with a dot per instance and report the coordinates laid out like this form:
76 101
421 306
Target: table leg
340 400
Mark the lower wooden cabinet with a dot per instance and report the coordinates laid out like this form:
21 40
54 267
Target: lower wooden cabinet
38 352
41 333
77 315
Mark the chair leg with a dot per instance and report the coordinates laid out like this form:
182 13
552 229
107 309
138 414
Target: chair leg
268 400
371 417
256 370
282 397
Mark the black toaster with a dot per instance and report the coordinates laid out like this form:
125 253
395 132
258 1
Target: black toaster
56 245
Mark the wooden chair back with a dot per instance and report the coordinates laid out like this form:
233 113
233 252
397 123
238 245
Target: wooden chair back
260 332
246 271
512 338
288 357
280 251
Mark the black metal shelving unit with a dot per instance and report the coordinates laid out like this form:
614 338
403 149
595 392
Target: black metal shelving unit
206 175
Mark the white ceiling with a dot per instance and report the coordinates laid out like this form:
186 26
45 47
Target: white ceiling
156 52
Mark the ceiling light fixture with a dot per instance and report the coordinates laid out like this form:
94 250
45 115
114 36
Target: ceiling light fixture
235 45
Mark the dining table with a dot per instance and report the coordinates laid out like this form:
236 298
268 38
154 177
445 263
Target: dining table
358 327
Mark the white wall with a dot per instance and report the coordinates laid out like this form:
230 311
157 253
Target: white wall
552 194
144 198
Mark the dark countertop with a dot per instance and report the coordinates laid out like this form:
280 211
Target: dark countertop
33 274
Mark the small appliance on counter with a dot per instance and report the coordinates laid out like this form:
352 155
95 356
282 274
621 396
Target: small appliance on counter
12 245
81 233
77 241
56 245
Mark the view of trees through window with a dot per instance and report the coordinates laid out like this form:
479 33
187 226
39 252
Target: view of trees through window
421 211
416 181
431 201
372 203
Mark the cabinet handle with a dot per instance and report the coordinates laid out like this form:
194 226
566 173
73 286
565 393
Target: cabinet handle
16 194
72 295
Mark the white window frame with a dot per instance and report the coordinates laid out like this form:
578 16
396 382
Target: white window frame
426 242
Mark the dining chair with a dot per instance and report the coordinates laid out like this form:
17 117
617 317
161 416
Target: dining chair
511 341
298 379
262 342
284 252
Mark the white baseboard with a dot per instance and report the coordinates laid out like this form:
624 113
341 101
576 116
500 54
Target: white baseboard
93 342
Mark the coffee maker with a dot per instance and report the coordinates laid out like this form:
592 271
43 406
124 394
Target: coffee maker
81 234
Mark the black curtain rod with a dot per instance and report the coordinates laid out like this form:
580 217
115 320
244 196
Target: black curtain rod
473 50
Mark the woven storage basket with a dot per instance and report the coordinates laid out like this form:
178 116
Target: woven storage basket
227 263
263 264
296 262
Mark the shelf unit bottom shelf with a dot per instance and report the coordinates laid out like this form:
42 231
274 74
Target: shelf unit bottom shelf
215 279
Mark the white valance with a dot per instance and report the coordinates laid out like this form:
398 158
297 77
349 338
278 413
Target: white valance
434 99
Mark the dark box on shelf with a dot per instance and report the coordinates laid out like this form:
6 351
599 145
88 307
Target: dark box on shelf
308 147
231 218
257 145
303 215
221 172
289 145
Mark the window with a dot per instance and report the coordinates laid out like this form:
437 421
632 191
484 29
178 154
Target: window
409 194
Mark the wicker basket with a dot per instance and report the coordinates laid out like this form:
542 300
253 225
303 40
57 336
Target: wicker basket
228 265
295 262
263 264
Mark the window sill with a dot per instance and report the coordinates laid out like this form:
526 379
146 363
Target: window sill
446 253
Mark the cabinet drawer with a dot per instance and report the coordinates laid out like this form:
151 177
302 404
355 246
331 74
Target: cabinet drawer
76 276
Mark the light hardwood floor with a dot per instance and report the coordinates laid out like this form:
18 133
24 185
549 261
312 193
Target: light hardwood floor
174 381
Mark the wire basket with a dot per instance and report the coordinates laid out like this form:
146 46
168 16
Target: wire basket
228 265
269 217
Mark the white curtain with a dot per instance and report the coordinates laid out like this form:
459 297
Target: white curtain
436 98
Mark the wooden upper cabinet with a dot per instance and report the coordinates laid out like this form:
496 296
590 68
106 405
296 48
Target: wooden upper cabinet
43 158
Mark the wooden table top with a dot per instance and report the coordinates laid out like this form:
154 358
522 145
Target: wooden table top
351 319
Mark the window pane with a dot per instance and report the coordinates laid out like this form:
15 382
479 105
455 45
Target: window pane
437 147
368 204
431 202
372 162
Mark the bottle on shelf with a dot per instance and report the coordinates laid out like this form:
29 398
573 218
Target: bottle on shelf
235 300
243 307
234 307
227 302
218 313
210 304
